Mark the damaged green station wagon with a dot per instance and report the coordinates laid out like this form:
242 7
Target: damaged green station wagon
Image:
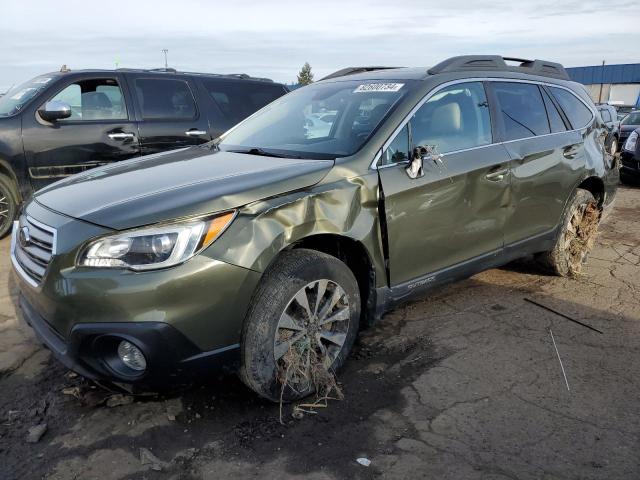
309 220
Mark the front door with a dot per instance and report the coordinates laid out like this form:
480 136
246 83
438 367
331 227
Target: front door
456 211
101 130
168 115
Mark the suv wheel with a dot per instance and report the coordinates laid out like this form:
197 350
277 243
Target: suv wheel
8 204
301 325
577 235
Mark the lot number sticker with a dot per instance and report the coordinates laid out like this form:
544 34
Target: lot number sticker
378 87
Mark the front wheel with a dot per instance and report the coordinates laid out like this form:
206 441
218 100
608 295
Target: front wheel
8 204
300 327
576 237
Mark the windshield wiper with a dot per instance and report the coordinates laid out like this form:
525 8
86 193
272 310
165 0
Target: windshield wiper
264 153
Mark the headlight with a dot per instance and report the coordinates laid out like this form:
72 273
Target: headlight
631 143
154 247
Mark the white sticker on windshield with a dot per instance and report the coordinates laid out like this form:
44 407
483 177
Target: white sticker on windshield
42 80
378 87
21 93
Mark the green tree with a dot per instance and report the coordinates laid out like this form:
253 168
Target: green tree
305 77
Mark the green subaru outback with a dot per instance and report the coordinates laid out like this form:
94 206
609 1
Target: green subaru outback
309 220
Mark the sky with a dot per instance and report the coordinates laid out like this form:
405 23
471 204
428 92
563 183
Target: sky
274 38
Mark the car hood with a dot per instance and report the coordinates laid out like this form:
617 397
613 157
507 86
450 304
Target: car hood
628 128
187 182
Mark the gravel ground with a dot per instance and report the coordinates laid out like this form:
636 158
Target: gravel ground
463 384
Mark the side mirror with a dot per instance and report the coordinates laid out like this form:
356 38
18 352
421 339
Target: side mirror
420 154
55 110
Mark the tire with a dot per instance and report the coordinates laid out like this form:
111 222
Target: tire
575 238
8 204
291 275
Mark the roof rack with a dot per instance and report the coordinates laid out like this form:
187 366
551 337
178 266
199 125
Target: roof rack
163 69
469 63
173 70
353 71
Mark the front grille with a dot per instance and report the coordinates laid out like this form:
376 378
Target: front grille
33 246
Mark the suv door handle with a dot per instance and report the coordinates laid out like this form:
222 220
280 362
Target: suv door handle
194 133
571 151
497 176
121 136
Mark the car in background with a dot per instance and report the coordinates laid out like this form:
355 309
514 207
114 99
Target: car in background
630 168
628 124
66 122
610 118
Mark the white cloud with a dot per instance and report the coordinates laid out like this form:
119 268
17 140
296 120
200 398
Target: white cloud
275 38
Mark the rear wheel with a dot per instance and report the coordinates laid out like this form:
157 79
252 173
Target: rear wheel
8 204
577 235
300 327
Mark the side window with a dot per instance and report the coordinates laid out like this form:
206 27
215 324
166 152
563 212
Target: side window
606 116
165 99
522 110
239 99
95 99
399 149
577 112
555 120
455 118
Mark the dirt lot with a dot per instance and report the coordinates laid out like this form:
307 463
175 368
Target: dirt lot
464 384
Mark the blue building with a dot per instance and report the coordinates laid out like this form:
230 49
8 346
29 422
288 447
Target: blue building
617 85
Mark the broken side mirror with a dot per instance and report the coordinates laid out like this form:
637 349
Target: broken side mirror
422 153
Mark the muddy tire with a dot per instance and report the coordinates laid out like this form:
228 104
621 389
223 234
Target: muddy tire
8 204
576 237
306 306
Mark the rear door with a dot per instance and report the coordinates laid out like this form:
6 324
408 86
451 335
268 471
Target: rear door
101 129
546 157
167 112
456 211
232 100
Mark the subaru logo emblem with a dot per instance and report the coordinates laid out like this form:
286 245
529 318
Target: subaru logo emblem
24 237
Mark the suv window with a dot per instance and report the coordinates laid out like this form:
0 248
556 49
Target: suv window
239 99
399 149
455 118
606 116
95 99
522 110
165 99
577 112
555 120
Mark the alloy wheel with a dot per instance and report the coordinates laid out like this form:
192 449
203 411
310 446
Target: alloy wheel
311 331
4 208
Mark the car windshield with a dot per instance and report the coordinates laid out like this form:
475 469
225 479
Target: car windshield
325 120
17 97
632 119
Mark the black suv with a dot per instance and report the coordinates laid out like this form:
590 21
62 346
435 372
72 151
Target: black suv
66 122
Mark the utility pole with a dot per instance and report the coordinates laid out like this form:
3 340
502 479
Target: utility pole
164 50
601 83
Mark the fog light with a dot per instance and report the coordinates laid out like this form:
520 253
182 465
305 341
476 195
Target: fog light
132 356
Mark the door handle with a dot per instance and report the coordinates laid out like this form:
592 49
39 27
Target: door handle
195 133
497 176
121 136
571 151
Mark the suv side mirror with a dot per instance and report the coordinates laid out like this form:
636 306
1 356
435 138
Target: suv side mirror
55 110
420 154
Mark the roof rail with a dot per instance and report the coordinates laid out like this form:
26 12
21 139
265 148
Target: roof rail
353 71
167 70
469 63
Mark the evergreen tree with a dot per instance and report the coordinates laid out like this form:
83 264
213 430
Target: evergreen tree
305 77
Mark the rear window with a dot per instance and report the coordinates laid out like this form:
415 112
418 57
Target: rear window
606 116
165 99
577 112
522 110
237 100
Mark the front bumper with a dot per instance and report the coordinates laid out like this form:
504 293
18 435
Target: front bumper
184 319
630 168
90 349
